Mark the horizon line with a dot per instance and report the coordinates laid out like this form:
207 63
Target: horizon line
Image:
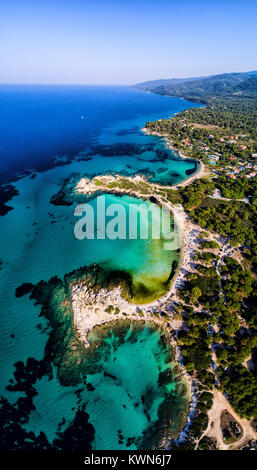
120 84
67 84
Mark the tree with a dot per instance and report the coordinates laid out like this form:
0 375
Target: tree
195 294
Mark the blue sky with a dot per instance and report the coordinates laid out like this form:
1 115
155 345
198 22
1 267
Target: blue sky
124 42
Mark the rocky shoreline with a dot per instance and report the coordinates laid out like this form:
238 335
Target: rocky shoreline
199 173
91 309
90 300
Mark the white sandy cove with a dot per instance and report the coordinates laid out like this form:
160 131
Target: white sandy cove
89 309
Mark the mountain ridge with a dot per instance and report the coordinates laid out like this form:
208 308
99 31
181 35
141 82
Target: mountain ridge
204 89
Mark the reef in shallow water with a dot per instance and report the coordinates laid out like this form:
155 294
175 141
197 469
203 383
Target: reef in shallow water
64 348
132 374
130 391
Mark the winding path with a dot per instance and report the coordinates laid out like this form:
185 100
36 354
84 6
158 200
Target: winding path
214 431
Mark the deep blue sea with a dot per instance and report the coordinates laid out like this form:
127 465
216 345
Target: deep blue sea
48 133
39 123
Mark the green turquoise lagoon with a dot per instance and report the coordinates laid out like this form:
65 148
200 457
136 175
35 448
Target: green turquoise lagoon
147 261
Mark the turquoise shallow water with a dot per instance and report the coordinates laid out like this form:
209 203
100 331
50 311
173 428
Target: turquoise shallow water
130 389
146 260
37 237
123 391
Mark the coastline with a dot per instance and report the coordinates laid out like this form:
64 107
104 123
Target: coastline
136 311
65 347
81 313
88 336
90 310
199 173
89 188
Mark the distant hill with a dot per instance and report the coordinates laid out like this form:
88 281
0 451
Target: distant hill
204 89
230 99
253 73
247 88
163 82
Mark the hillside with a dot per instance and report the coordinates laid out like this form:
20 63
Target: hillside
205 89
164 82
230 99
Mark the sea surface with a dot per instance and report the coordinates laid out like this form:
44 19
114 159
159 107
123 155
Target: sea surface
48 134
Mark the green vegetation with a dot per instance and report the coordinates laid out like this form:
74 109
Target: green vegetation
199 423
222 134
238 189
195 193
206 443
210 244
109 309
128 185
205 257
231 100
220 291
191 196
98 182
235 220
241 386
195 342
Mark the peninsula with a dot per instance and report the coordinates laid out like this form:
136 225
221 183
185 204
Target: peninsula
217 295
